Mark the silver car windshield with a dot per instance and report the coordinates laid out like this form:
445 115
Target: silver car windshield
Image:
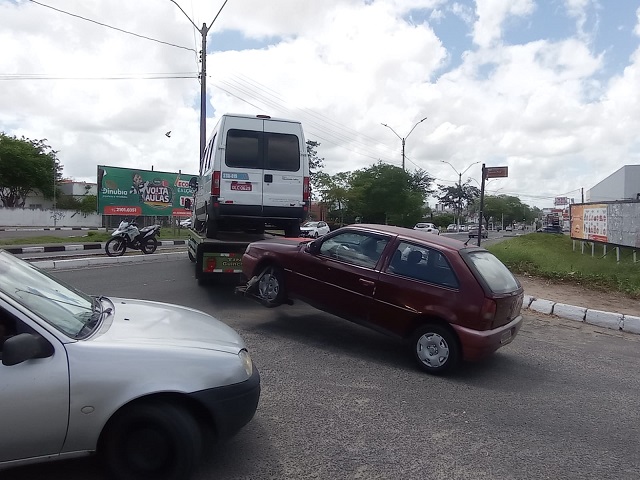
63 307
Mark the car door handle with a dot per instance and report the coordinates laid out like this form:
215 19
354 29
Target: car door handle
366 283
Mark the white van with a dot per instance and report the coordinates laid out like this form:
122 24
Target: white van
255 171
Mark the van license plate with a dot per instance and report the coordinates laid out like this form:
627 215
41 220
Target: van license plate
506 337
241 186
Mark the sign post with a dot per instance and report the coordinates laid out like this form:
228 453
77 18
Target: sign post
488 172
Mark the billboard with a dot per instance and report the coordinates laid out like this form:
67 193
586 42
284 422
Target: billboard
132 192
616 223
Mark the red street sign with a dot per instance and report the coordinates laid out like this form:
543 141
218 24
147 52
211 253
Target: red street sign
496 172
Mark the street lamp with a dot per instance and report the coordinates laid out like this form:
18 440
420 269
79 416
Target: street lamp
405 137
460 186
203 76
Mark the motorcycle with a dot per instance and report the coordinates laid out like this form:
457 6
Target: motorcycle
127 235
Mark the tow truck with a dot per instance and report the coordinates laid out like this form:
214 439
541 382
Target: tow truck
221 257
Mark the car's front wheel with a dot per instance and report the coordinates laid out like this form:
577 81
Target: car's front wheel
435 349
270 288
152 441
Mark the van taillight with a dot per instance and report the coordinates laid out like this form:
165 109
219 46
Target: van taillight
305 189
215 183
488 312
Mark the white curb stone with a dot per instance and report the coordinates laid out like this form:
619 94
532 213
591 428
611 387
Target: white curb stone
33 250
45 264
75 263
604 319
569 312
527 301
542 306
631 323
73 247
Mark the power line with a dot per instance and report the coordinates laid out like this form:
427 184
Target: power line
114 28
151 76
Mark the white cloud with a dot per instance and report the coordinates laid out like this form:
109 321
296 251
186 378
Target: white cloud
342 67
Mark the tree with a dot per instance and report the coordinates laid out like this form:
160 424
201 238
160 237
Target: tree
26 166
388 194
333 191
458 197
315 164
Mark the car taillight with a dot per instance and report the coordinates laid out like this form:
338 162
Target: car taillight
488 311
215 183
305 189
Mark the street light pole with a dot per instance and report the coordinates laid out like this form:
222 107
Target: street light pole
203 76
403 138
460 186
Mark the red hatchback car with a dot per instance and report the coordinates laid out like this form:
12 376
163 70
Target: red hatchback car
452 301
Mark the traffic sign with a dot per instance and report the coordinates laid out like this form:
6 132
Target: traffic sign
496 172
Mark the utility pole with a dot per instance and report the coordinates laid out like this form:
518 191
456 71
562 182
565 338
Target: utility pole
203 76
460 186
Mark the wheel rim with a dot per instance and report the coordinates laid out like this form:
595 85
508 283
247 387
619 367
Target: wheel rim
268 287
116 247
432 350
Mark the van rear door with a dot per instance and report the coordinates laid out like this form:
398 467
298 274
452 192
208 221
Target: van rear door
284 159
242 164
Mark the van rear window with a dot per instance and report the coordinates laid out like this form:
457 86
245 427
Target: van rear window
264 150
282 152
243 149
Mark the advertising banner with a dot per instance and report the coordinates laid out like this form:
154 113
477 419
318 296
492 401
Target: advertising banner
616 223
129 192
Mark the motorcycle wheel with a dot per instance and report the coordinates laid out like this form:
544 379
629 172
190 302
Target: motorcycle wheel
115 247
149 246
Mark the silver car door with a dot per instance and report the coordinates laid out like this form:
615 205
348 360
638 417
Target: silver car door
34 396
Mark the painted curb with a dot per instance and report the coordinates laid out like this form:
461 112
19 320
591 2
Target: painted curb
604 319
93 262
76 247
542 306
631 324
569 312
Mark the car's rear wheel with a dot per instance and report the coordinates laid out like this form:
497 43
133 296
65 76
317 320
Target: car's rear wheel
152 441
435 349
211 227
270 288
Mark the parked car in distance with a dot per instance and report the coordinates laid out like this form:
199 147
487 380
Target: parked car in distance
450 301
550 229
314 229
144 384
427 227
473 231
186 223
452 228
463 228
508 228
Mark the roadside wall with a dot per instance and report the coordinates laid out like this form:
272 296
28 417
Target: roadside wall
20 217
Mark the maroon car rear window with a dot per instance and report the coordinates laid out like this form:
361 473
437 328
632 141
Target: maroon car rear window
494 272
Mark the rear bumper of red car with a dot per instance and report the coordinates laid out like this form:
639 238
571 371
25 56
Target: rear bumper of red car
478 344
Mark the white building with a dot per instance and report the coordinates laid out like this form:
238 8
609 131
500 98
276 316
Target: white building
623 184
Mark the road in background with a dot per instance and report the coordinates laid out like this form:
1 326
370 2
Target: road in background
340 401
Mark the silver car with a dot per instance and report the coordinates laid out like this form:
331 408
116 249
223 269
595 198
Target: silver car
144 384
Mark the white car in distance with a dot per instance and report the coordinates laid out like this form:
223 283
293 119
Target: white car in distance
314 229
427 227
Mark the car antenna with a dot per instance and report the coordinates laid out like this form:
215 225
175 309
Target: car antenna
465 243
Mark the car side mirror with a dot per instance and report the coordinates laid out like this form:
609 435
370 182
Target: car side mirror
23 347
193 183
313 247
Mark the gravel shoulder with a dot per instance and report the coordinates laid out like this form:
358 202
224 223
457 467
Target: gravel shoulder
579 295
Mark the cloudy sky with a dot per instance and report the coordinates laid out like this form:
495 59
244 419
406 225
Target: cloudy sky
549 88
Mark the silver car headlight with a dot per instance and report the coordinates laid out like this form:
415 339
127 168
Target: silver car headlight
245 358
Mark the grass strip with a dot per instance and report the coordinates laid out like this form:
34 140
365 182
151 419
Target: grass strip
553 257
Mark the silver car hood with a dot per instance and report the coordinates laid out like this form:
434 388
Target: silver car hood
143 322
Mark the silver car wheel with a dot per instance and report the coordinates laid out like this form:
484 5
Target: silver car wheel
269 286
432 350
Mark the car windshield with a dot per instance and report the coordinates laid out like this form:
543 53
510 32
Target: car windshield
63 307
311 224
494 272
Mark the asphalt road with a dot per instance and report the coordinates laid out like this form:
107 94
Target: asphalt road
340 401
